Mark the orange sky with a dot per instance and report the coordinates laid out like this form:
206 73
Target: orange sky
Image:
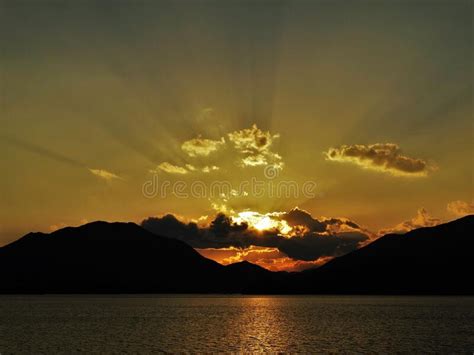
349 110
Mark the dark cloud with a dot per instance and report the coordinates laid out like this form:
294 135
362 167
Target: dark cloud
313 246
170 226
320 238
383 157
222 226
298 217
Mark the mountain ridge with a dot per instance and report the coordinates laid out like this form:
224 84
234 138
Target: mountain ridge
122 257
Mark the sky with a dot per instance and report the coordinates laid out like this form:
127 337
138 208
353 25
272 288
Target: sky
271 124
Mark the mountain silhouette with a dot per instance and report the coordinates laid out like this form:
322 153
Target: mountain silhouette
431 260
102 257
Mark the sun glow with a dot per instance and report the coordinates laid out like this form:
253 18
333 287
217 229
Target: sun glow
263 222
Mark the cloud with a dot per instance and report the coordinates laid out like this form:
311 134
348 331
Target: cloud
381 157
313 246
251 140
170 169
182 170
170 226
58 157
222 225
422 219
252 145
301 237
255 146
460 208
201 146
104 174
208 169
268 258
297 217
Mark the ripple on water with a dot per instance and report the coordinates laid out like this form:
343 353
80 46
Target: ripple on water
235 324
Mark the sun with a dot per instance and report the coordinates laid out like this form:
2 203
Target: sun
263 222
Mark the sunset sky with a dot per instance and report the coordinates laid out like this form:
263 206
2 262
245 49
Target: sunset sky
369 102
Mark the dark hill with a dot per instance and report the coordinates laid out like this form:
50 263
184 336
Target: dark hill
105 257
111 257
434 260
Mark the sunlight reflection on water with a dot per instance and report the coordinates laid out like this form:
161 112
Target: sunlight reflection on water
235 323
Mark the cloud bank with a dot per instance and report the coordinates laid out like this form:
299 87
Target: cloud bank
381 157
296 234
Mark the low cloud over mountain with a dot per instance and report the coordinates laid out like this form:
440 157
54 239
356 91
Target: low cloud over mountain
422 219
296 233
460 208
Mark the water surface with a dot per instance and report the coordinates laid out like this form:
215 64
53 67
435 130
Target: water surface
175 323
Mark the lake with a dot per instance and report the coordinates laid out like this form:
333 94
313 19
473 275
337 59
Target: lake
177 323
